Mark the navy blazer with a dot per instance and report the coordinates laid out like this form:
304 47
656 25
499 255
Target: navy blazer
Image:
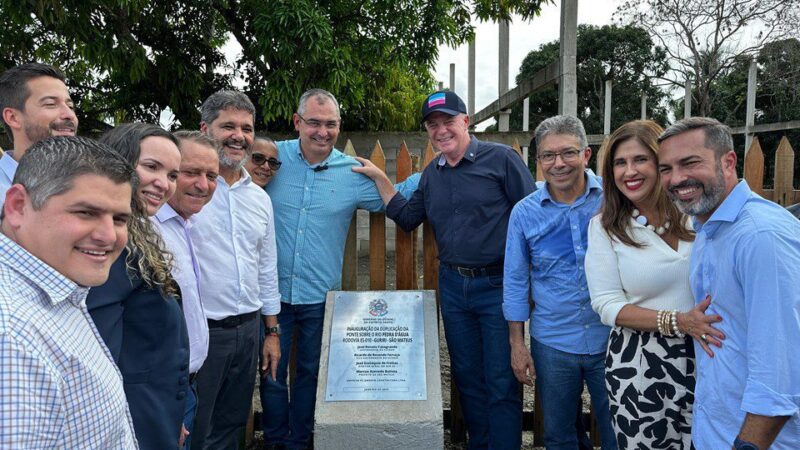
146 334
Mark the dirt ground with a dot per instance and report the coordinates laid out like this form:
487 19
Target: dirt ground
363 284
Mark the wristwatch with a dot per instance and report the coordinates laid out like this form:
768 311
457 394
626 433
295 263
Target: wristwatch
274 331
739 444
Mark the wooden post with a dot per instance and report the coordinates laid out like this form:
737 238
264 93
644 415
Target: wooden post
377 233
643 114
350 262
784 173
751 103
430 266
754 167
405 267
452 80
687 99
471 80
567 51
607 109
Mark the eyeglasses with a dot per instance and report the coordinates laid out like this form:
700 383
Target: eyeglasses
314 123
569 155
259 160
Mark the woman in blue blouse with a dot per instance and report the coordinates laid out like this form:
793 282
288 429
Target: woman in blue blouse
137 311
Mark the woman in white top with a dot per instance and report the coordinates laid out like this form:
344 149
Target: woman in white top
637 268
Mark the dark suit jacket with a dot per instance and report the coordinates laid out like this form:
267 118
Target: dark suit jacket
146 334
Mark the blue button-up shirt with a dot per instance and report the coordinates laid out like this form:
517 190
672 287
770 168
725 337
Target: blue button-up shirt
545 247
312 216
468 204
8 167
59 387
747 258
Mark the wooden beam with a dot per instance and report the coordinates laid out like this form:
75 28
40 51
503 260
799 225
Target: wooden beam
538 82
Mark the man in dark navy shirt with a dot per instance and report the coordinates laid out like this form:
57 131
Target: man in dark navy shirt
467 194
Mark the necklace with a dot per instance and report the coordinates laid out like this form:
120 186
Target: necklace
642 220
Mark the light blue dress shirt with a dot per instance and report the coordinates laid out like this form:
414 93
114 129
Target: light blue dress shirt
312 216
8 167
234 238
59 386
545 247
747 258
176 233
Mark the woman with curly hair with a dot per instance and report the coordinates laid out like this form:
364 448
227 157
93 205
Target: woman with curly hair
637 269
137 311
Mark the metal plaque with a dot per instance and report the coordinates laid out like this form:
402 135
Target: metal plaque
377 347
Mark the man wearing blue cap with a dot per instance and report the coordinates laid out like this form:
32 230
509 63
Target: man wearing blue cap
467 194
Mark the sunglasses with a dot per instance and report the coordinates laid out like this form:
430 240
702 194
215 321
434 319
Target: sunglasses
259 160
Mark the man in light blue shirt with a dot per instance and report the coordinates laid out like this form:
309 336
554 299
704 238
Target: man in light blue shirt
35 104
746 258
545 250
314 198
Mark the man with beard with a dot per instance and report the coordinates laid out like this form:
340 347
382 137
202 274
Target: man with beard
35 105
234 237
745 258
263 163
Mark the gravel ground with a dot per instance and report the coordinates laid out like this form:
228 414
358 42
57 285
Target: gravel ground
363 284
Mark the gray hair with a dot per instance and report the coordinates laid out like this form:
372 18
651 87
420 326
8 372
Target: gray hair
569 125
321 95
718 135
196 136
225 99
265 139
50 166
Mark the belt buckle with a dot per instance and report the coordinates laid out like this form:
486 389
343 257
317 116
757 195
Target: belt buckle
466 272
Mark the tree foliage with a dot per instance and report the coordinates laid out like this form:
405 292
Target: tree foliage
624 54
704 38
132 59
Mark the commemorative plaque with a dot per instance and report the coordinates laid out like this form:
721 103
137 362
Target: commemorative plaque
377 347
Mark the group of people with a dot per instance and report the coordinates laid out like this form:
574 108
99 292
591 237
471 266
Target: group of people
148 276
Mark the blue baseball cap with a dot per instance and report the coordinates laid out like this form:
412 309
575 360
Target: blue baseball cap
443 101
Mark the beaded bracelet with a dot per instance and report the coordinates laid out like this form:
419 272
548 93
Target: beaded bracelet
675 329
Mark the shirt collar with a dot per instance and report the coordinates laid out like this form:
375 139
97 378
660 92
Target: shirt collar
8 165
56 286
470 154
728 210
300 156
167 213
593 182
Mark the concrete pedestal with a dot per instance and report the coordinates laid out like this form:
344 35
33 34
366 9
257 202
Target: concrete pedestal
406 424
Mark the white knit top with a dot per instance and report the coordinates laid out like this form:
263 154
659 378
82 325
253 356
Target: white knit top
654 277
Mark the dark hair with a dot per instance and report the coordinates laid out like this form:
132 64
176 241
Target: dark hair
617 210
718 136
147 257
224 99
50 166
126 139
14 90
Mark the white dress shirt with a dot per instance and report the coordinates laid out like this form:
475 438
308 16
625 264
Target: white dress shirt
653 277
177 238
8 167
234 239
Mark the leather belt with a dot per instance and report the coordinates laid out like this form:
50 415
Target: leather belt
472 272
232 321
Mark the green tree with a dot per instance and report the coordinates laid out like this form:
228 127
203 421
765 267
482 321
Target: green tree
132 59
626 55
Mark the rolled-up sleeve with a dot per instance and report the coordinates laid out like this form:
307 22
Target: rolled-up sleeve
768 268
602 274
516 270
268 269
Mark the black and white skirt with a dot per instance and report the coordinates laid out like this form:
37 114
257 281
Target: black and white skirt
650 380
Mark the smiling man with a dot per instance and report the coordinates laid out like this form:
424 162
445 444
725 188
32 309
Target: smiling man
64 223
467 194
234 236
315 197
35 104
746 258
196 183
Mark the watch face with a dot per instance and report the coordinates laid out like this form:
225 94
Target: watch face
739 444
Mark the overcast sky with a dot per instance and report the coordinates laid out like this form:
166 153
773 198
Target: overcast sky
523 37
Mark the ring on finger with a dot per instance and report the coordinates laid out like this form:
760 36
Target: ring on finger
703 337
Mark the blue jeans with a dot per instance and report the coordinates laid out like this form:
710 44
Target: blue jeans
188 414
291 423
560 376
480 358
